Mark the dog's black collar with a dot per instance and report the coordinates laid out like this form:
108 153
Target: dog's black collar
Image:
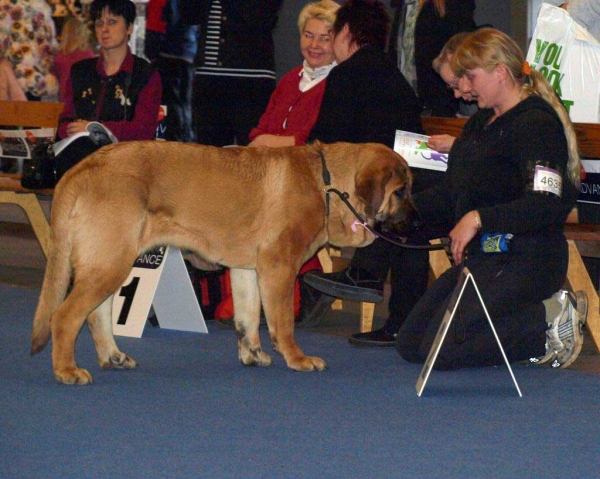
326 174
344 197
326 180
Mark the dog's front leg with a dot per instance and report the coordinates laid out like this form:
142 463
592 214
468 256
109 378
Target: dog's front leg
276 285
246 304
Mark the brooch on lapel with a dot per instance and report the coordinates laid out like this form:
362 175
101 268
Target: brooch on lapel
119 95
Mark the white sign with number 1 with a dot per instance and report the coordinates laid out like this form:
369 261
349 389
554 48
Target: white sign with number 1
158 279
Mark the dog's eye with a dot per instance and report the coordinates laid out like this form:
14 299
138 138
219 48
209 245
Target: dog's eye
400 193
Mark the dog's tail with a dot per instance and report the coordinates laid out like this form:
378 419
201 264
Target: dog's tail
58 272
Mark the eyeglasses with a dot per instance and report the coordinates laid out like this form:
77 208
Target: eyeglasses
453 85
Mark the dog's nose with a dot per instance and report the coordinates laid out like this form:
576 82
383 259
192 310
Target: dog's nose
404 221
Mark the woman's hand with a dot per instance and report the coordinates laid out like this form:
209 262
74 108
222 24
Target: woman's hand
273 141
76 126
441 143
464 231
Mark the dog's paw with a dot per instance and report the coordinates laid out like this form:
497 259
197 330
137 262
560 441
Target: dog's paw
307 364
254 357
119 361
73 376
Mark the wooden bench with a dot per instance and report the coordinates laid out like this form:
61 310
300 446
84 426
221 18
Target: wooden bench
41 114
33 114
11 191
582 238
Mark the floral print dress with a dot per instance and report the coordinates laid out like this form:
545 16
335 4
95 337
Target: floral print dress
28 41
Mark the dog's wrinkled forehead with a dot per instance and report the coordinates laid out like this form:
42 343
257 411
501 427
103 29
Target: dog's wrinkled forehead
381 176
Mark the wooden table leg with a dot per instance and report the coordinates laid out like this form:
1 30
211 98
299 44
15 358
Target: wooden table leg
34 212
579 279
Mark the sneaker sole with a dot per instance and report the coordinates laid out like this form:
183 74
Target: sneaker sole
544 359
320 310
337 290
582 303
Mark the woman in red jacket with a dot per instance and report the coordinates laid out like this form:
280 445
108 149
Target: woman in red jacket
294 105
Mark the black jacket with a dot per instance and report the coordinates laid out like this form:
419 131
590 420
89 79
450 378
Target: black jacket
431 34
366 100
490 169
118 93
246 38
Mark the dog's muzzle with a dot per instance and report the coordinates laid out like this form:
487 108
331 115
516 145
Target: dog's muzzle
401 217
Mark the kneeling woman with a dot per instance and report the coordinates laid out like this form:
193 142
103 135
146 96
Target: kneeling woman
515 169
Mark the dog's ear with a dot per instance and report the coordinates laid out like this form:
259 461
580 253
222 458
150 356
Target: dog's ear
370 184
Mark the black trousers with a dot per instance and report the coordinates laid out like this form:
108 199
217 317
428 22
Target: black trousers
513 286
177 77
409 275
227 108
408 268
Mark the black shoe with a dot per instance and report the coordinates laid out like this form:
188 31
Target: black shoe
373 339
314 306
351 283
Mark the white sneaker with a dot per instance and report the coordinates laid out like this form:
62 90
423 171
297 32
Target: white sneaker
564 337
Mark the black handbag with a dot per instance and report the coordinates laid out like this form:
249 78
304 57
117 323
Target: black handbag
39 171
44 169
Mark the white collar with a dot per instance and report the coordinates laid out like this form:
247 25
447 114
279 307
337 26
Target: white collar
312 76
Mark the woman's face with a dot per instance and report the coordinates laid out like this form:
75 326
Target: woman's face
341 45
111 31
482 86
316 44
452 81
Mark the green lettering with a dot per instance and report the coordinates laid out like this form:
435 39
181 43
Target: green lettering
552 56
540 46
568 104
554 78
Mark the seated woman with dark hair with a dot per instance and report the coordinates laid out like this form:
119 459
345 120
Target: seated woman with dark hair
117 89
366 100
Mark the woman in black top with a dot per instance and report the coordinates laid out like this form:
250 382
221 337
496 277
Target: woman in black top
514 170
366 100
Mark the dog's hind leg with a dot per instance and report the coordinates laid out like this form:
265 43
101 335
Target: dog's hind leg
100 324
246 303
54 290
93 284
65 325
276 284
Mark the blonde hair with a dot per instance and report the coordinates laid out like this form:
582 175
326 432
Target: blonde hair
486 48
325 10
75 35
440 6
449 48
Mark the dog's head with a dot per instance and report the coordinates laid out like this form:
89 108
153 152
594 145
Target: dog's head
384 186
378 181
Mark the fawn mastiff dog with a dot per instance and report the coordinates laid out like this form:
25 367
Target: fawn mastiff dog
262 212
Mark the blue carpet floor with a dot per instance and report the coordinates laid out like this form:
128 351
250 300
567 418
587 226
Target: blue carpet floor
192 411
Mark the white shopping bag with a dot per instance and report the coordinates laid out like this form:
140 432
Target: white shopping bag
569 57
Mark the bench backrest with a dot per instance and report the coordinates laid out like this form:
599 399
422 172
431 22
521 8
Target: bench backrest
30 113
588 134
